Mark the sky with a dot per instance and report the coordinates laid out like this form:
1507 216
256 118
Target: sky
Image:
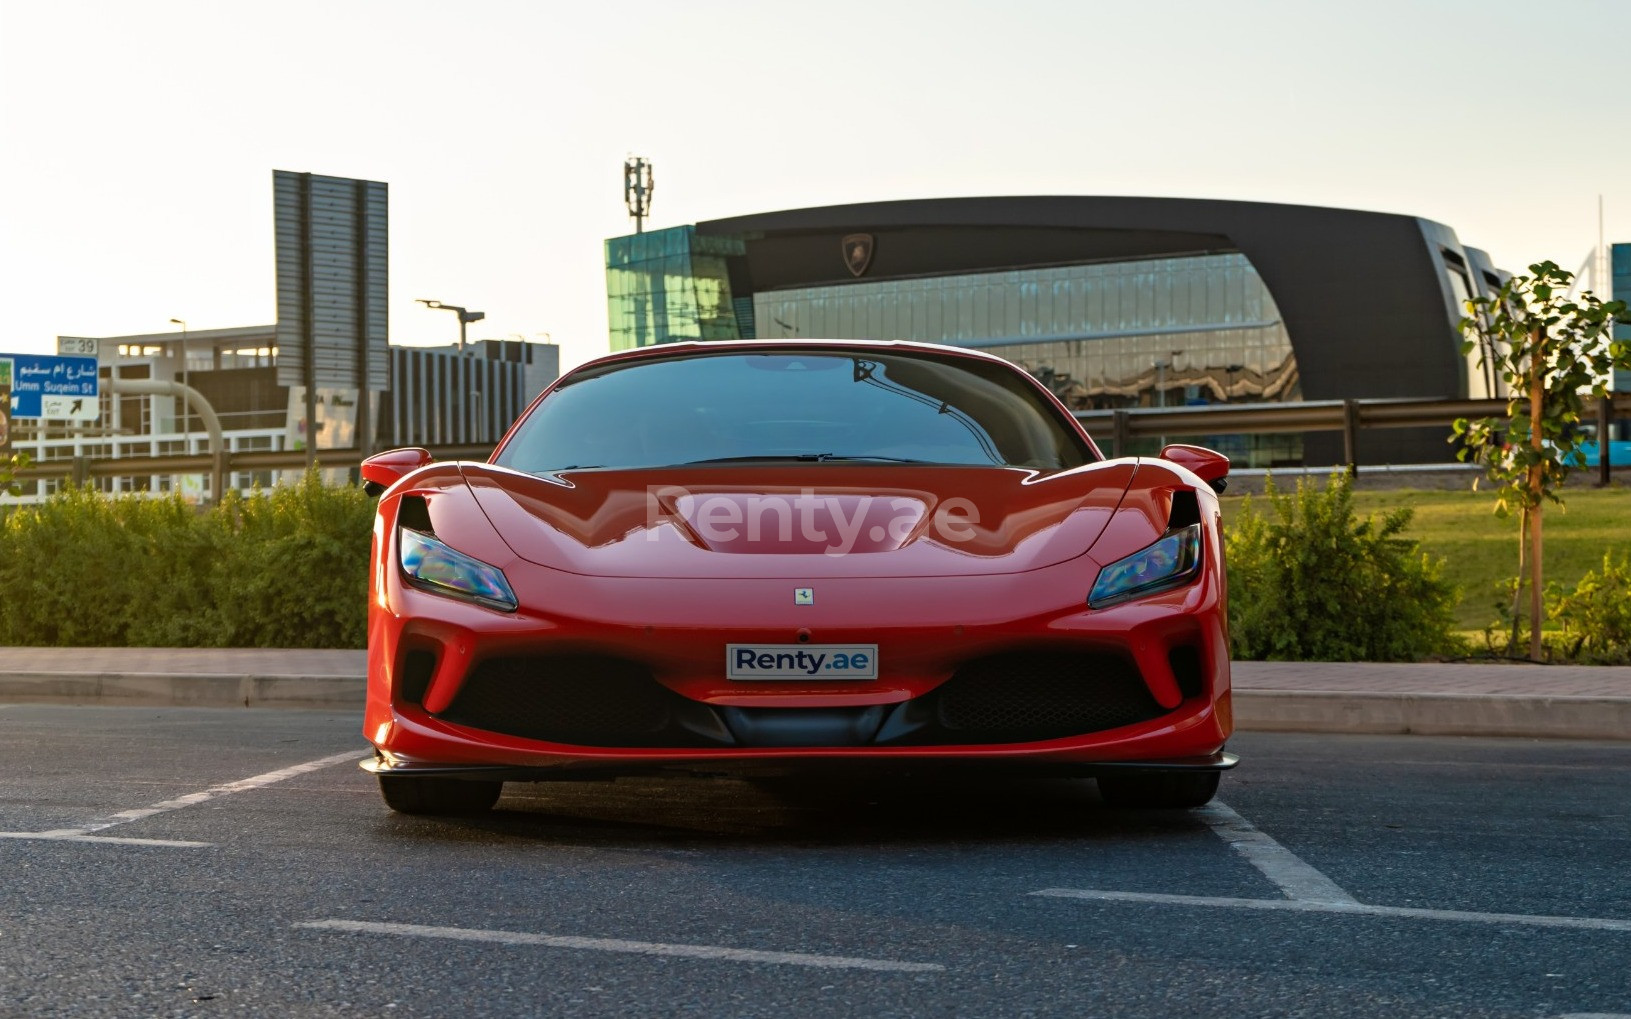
138 139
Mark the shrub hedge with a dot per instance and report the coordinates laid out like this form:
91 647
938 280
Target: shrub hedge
289 568
1313 582
1596 615
284 568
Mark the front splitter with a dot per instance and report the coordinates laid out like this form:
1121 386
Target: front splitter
760 767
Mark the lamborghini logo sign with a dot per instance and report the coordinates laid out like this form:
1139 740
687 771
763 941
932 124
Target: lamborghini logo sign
858 253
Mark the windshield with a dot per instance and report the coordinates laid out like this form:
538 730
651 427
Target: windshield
817 406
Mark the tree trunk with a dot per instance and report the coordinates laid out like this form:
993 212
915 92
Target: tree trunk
1535 592
1537 477
1517 588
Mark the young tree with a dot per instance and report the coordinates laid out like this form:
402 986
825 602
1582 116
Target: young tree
10 464
1552 350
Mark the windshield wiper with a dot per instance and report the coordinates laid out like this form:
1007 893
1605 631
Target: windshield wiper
869 456
800 458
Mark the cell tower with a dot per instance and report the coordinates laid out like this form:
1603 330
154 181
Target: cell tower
637 188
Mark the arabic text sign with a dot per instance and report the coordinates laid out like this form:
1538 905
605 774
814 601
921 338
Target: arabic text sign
53 387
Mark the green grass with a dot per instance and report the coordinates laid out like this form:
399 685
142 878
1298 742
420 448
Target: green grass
1481 550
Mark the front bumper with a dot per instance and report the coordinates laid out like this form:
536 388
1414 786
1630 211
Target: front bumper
424 651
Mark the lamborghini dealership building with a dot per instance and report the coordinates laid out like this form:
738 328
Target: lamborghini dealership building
1114 302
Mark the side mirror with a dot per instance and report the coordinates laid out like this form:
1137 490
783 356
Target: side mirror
382 470
1211 466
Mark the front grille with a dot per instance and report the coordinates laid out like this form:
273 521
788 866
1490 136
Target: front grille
588 700
1028 696
601 701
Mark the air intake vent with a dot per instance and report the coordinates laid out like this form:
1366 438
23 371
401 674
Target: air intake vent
1186 668
1025 697
588 700
1186 510
413 513
414 680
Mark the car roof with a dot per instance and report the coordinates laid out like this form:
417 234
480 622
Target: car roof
703 348
663 351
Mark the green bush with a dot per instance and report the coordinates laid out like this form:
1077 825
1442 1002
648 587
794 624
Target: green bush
1314 583
1596 615
298 573
284 568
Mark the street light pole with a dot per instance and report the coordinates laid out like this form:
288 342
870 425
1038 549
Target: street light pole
186 432
1161 382
467 421
466 316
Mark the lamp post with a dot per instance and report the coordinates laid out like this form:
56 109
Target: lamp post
1161 382
186 432
466 420
466 316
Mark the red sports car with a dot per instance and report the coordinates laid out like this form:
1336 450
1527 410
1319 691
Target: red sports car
795 554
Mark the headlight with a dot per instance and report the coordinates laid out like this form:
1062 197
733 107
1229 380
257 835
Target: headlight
439 568
1171 562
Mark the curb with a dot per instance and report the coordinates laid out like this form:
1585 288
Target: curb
1316 711
140 690
1429 714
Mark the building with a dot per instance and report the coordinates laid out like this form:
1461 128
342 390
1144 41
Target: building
331 267
1620 290
436 396
1114 302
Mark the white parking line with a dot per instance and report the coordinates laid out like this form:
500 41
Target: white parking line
86 832
1343 908
1309 891
619 945
1289 873
115 840
213 792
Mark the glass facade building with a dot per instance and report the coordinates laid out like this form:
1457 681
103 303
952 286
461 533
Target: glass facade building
1620 270
1154 332
1113 302
670 285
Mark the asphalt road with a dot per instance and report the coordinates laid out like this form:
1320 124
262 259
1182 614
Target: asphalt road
198 862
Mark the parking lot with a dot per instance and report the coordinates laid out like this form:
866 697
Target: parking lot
168 861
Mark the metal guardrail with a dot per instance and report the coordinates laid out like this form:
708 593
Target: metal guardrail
82 469
1346 416
1349 417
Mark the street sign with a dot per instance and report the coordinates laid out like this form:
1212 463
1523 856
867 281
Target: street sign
79 346
61 388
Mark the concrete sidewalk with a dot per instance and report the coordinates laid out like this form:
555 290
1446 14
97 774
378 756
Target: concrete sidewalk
1581 702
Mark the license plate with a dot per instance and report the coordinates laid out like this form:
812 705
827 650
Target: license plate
801 661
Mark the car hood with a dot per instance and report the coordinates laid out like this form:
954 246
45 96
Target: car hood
807 520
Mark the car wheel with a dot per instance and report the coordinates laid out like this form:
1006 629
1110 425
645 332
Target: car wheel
438 795
1161 790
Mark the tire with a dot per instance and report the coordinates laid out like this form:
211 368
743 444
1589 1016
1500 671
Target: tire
438 795
1159 790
